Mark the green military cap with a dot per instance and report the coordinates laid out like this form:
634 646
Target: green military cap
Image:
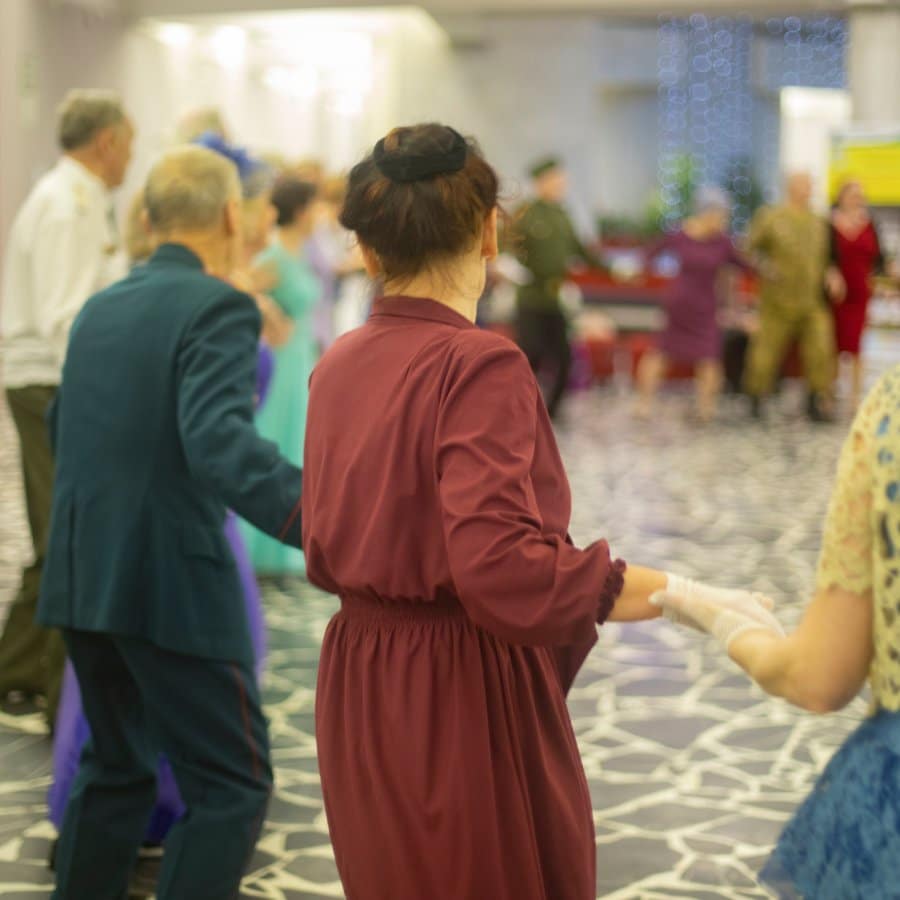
547 164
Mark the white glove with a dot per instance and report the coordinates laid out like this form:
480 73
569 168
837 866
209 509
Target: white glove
723 613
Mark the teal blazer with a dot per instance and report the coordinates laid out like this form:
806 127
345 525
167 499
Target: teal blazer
153 435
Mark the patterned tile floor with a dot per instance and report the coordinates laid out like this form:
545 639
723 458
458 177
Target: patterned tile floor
692 770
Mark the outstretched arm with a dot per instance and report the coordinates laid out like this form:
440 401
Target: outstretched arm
824 663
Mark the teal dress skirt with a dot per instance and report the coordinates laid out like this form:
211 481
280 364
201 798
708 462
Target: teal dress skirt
283 418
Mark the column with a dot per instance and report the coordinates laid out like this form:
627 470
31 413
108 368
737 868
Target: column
873 61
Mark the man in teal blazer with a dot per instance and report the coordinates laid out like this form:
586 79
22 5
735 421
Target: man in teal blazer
153 435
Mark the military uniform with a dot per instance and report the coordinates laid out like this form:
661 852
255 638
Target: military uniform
546 246
792 247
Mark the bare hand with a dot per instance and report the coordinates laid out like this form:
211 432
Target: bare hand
836 286
277 327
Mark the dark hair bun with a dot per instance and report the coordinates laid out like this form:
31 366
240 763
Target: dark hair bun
290 197
405 164
422 194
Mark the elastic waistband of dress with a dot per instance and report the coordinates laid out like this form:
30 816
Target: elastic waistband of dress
393 610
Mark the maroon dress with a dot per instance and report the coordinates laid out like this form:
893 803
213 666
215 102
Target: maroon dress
858 257
692 330
436 506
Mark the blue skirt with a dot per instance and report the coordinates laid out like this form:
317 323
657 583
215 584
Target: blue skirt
844 841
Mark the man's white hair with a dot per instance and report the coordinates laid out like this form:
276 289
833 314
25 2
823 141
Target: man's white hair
188 189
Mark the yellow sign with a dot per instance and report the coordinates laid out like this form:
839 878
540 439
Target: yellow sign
873 161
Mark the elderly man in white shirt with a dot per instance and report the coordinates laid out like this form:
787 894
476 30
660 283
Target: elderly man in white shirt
63 247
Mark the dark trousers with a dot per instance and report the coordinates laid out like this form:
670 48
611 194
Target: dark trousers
31 657
205 716
544 338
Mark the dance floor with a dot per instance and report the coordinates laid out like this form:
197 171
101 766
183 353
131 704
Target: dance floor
692 770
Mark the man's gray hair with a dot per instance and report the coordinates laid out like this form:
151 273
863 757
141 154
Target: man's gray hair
188 189
84 113
709 197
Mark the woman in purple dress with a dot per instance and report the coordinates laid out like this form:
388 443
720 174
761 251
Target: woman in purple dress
692 334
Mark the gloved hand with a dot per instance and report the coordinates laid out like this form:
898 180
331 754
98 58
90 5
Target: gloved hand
721 612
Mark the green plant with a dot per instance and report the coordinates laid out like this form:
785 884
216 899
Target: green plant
746 191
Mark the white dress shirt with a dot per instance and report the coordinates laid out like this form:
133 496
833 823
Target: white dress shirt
62 248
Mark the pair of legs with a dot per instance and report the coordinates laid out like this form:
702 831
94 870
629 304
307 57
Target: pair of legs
707 378
205 715
857 373
31 657
812 327
543 335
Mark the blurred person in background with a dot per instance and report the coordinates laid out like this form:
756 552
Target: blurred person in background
789 244
692 334
296 291
856 251
207 120
307 169
64 245
547 245
333 256
139 240
257 220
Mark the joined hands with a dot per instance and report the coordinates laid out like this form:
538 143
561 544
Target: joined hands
721 612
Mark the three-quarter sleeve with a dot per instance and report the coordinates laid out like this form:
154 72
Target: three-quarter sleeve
512 577
846 559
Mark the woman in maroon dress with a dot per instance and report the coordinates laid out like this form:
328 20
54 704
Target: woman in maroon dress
856 251
692 334
436 506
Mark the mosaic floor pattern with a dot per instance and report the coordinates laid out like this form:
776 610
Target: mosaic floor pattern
692 770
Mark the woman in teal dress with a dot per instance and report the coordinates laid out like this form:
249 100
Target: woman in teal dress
296 290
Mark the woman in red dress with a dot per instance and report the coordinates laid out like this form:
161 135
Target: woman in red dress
436 506
856 251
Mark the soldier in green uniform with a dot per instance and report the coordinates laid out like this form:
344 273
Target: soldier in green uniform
790 243
546 244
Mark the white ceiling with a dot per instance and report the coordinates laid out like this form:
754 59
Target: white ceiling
629 8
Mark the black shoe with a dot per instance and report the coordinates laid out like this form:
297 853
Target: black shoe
756 410
22 703
818 409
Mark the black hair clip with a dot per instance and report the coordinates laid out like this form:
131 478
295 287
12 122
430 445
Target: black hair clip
407 167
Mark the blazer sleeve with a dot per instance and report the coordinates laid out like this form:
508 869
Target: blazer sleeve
513 579
217 366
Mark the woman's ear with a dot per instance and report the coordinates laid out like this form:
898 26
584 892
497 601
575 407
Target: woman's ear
489 242
371 262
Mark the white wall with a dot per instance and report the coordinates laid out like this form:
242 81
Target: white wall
526 86
809 116
535 85
44 50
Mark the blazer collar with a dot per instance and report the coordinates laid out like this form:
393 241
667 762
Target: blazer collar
175 255
419 308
